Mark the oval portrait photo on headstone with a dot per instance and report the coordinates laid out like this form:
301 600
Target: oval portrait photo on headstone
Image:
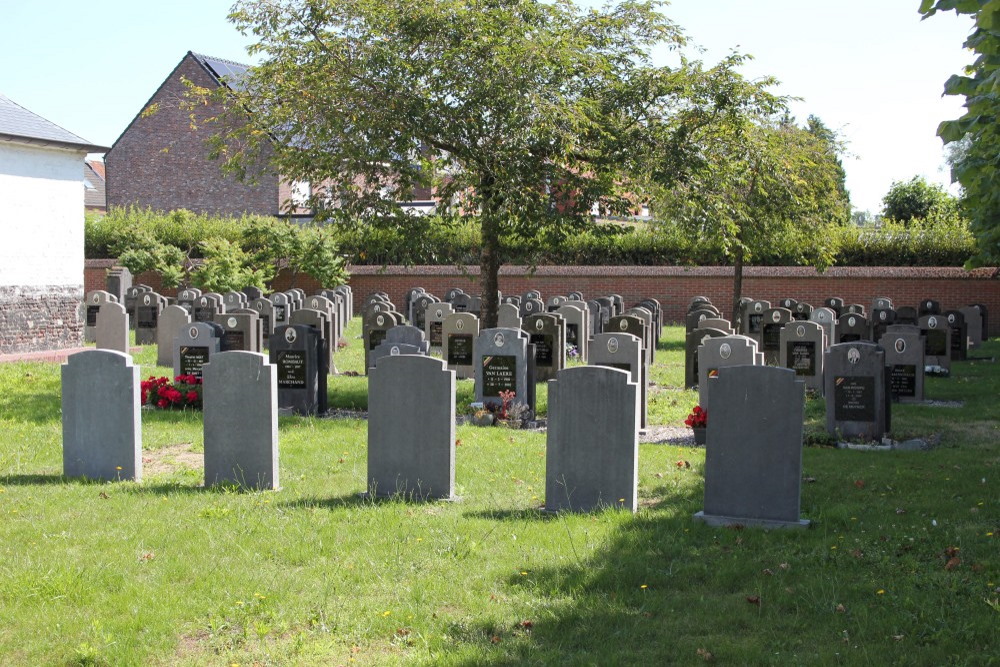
900 345
193 332
231 322
851 321
539 325
498 340
932 323
725 351
613 345
380 320
623 325
853 355
394 351
290 335
459 325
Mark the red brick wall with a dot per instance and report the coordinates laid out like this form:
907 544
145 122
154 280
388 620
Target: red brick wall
160 162
672 286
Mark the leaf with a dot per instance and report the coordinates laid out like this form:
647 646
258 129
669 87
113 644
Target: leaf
705 655
754 600
952 563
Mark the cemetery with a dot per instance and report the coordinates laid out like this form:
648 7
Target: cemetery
327 469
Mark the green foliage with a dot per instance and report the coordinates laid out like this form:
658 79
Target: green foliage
917 198
226 267
977 165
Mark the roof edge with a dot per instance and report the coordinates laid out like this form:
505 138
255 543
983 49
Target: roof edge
82 146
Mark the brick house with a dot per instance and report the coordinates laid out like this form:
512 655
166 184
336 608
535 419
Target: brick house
41 215
160 162
94 199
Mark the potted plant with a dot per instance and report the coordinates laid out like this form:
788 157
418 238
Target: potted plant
698 421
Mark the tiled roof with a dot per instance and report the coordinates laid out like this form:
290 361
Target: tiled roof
19 124
94 192
226 72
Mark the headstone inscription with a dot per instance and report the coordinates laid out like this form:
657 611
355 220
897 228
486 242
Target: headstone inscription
547 332
130 299
502 364
92 303
959 334
753 464
319 320
459 334
857 392
753 319
592 442
716 353
241 420
770 335
434 318
802 345
194 345
851 327
297 353
282 309
256 327
624 352
937 341
411 458
148 307
111 332
172 320
101 430
904 357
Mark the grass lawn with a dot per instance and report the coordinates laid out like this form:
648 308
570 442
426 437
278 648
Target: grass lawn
899 567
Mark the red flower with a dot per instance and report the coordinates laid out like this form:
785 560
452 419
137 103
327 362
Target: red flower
698 418
163 403
192 396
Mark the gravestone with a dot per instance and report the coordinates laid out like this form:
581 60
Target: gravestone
92 303
117 282
319 320
694 340
409 300
531 307
984 313
389 349
826 318
716 353
111 332
148 307
251 293
450 295
265 310
881 319
296 297
592 442
375 326
653 306
959 334
240 405
508 316
130 299
599 314
717 323
694 318
619 304
974 325
770 335
476 306
101 428
881 303
836 304
297 353
207 307
459 334
857 391
853 309
752 322
624 352
577 328
906 315
554 302
937 341
333 313
172 320
257 328
240 331
547 332
904 357
194 345
802 311
413 458
802 345
233 300
408 335
187 298
851 327
636 326
283 306
461 303
788 303
434 318
531 294
513 300
928 307
649 330
753 463
575 296
502 364
419 309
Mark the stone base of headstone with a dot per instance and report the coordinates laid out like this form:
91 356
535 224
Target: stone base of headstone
767 524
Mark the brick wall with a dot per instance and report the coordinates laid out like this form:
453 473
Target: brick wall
160 162
672 286
45 317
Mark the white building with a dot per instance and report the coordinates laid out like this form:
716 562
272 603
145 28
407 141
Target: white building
41 231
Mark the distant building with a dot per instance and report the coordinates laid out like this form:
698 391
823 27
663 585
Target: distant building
41 215
160 162
94 196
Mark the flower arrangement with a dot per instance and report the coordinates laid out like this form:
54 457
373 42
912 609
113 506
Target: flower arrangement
183 392
698 418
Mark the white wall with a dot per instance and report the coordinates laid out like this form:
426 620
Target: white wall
41 215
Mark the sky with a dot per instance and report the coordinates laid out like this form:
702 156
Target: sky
869 69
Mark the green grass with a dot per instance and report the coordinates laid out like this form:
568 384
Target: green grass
166 572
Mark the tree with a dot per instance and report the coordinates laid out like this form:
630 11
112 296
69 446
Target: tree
915 198
977 165
761 181
521 111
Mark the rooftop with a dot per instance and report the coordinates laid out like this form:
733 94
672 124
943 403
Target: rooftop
19 124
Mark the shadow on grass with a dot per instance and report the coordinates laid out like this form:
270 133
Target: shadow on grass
358 499
529 514
36 407
670 345
40 480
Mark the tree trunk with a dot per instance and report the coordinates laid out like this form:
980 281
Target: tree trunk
737 283
489 262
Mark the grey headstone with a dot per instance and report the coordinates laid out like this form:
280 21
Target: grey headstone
411 457
92 305
851 327
241 420
959 334
509 316
172 320
434 317
148 307
283 306
577 327
547 332
753 460
265 310
207 307
693 342
592 443
770 334
118 280
716 353
319 320
857 399
458 334
502 365
112 331
928 307
826 318
624 352
194 345
904 357
101 428
802 346
974 324
297 353
240 331
752 322
937 341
